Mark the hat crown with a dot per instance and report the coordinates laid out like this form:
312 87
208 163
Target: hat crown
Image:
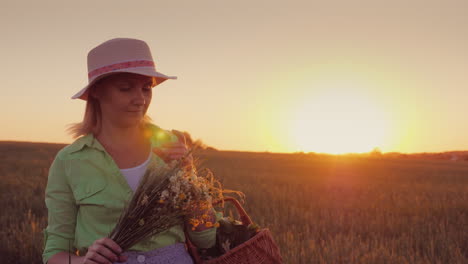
120 55
118 50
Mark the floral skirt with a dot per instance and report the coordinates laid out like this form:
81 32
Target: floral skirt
172 254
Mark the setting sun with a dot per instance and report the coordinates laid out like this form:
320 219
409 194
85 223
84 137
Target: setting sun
338 120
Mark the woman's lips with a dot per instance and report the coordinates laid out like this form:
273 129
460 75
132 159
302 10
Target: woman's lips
134 112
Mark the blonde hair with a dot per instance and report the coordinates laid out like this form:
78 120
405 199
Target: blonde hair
92 117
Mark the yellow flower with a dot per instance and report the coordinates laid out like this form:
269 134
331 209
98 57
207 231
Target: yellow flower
205 206
194 222
161 201
209 224
141 222
216 224
182 196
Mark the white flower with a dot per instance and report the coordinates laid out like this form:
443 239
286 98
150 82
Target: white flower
180 174
173 178
165 194
176 188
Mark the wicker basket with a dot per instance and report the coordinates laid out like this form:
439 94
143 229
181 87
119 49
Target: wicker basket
259 249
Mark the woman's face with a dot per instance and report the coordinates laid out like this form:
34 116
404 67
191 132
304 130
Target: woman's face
124 98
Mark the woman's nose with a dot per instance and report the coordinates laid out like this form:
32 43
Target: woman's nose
139 97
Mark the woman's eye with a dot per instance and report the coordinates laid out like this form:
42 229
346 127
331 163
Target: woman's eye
147 88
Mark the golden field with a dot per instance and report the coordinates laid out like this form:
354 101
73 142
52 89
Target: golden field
320 208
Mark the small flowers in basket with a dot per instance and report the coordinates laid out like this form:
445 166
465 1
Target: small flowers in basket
238 242
230 234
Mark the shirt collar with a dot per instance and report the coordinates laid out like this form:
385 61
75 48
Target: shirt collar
87 140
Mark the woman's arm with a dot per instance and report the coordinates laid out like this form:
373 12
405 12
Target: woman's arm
60 232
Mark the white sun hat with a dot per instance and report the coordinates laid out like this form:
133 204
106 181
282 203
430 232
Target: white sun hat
120 55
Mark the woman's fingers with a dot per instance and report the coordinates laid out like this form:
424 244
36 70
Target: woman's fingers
177 144
103 250
173 151
122 258
98 258
180 135
169 155
109 243
89 261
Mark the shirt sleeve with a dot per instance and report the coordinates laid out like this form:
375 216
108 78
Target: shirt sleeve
205 238
60 232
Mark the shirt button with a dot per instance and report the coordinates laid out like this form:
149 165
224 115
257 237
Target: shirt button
141 258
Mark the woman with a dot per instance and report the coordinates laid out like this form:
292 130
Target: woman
92 179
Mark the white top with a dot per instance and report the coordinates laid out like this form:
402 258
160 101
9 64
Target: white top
133 175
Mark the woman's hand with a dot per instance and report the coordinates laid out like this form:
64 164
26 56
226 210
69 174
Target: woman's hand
174 150
104 251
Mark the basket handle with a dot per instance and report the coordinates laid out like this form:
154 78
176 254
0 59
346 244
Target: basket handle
245 218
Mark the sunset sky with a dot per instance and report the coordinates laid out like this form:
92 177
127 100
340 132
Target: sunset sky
278 76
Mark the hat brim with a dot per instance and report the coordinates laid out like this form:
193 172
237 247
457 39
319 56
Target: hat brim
160 78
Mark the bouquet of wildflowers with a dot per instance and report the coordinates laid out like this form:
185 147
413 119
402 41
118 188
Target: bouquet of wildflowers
167 196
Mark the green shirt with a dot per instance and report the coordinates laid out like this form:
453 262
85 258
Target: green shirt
86 194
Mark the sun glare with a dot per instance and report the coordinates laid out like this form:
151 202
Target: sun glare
338 120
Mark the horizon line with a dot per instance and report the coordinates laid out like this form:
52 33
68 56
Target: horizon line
268 151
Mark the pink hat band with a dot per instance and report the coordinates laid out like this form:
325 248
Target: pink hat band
120 66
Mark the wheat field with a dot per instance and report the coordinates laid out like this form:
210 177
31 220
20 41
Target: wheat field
320 208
